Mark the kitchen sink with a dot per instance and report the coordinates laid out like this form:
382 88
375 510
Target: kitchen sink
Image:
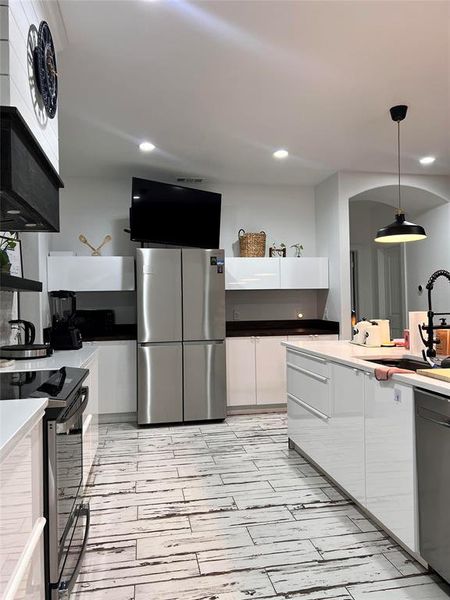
401 363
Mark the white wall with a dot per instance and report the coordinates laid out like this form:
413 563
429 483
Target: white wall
365 219
427 256
332 219
260 305
96 207
285 213
329 242
16 73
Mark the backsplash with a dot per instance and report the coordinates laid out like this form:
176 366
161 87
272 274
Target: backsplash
256 305
8 311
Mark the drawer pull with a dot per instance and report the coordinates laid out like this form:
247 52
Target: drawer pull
24 560
311 356
307 407
308 373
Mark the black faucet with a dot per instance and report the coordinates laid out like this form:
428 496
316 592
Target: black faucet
430 327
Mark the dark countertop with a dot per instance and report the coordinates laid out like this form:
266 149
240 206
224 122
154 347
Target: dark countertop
291 327
118 332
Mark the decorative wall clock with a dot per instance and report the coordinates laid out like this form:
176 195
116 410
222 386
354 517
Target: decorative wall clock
45 72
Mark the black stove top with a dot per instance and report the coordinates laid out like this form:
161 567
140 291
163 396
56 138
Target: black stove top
56 385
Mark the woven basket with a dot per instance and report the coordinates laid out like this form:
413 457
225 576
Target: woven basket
252 244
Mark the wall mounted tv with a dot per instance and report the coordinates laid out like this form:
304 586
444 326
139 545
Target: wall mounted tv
163 213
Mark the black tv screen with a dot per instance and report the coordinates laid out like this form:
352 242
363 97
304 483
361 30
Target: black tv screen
163 213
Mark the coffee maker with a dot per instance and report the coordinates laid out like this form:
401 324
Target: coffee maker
64 335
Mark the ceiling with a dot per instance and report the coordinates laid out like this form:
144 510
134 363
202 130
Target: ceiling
413 200
218 86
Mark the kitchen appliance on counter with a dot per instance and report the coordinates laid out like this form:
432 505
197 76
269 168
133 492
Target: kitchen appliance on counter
96 323
372 333
66 513
181 331
28 349
64 335
433 478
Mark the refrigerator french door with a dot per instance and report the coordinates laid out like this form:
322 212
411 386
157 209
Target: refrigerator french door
181 331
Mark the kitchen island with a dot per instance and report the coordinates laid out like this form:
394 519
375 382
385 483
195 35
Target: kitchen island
359 431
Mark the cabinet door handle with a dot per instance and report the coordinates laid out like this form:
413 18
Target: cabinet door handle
309 408
308 373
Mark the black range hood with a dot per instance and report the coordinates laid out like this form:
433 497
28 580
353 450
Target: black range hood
29 184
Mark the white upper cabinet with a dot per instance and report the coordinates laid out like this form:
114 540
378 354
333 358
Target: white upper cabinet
252 274
276 273
90 273
304 273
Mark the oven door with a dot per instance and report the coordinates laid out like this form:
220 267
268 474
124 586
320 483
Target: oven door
68 516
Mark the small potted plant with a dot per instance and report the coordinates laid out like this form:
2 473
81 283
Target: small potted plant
280 251
5 245
298 250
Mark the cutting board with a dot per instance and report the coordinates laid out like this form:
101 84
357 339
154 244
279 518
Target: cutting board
443 374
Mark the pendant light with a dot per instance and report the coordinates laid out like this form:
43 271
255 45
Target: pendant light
400 230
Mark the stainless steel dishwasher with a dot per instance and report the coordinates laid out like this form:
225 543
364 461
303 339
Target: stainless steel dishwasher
433 474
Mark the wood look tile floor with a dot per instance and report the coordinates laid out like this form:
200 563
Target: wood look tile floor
224 511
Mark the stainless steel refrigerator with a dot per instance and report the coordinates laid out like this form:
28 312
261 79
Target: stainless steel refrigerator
181 335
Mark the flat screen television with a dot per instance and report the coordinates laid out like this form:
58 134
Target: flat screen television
163 213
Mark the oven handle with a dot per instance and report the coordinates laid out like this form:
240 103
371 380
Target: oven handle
66 588
66 425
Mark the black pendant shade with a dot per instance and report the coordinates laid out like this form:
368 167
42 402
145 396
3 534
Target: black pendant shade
400 230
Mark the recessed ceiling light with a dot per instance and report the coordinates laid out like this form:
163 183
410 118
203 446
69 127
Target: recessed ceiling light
146 147
427 160
13 212
281 153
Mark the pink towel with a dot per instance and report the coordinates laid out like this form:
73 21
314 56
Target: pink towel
385 373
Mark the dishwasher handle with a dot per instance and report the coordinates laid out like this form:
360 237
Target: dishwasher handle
433 417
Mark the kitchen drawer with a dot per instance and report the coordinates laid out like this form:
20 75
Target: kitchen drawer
309 431
311 363
310 388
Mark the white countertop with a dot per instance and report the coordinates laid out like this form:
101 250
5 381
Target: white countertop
17 418
60 358
352 355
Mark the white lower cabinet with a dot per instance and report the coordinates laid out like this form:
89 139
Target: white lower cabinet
241 371
346 462
21 520
314 337
256 371
270 370
117 376
390 457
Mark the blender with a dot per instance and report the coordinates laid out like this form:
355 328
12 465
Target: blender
64 335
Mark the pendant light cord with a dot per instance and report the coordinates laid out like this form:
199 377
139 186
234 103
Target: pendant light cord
398 166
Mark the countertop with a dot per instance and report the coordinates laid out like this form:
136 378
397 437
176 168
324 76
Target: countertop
60 358
287 327
353 356
17 418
